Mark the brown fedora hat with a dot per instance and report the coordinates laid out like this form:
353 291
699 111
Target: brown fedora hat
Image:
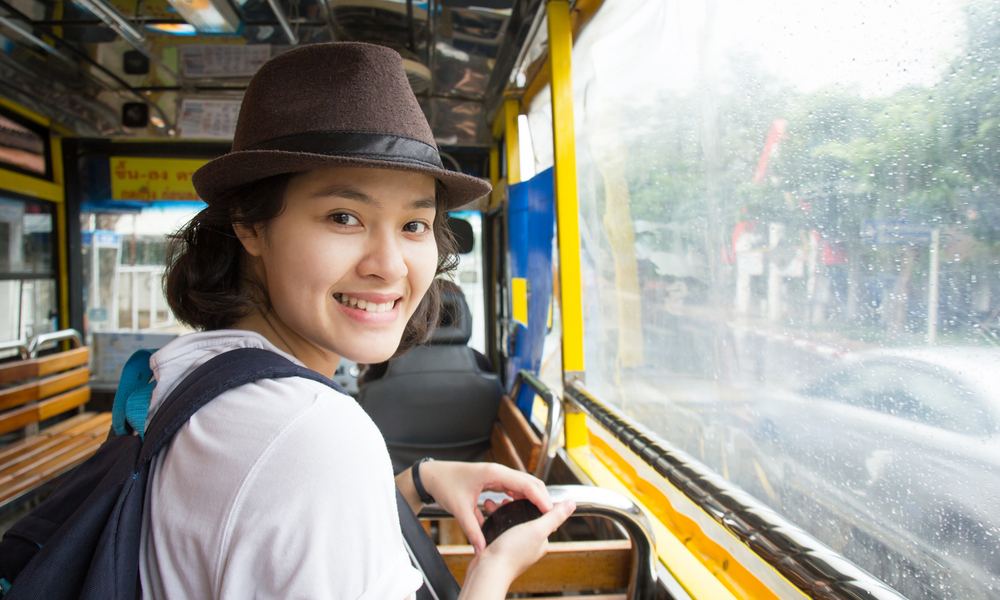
327 105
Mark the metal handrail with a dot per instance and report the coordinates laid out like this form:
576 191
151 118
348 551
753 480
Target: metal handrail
553 422
593 501
20 345
36 343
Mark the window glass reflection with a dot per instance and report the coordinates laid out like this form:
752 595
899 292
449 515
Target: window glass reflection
790 239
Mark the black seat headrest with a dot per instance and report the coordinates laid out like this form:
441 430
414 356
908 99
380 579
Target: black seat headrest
455 323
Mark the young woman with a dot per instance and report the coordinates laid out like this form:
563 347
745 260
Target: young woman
322 238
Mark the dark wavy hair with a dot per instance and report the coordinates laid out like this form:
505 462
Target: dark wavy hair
209 286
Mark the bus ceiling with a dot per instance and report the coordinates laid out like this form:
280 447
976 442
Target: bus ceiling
159 69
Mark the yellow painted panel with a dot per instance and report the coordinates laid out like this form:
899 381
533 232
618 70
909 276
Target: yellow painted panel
511 110
693 576
24 112
746 577
567 213
576 430
494 165
30 186
519 299
153 178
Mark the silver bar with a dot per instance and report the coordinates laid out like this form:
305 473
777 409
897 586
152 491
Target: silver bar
279 14
20 345
114 19
126 30
599 502
35 40
553 421
36 343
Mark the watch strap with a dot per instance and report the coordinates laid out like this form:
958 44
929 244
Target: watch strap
418 484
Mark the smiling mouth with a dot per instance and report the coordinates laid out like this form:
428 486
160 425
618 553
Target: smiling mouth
364 305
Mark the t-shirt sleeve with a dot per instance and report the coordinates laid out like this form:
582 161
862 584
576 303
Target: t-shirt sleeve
316 517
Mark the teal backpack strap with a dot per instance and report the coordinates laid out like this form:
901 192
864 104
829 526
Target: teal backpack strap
135 390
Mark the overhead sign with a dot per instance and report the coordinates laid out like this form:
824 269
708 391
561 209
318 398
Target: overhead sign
889 231
208 119
217 61
153 179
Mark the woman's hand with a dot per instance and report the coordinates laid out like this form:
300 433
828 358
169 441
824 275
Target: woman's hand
456 487
495 568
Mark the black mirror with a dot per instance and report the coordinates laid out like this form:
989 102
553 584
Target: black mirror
462 230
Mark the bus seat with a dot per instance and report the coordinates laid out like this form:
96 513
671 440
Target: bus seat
439 399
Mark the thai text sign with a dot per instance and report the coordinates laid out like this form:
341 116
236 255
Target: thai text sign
153 179
896 232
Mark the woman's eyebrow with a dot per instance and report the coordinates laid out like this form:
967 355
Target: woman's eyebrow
423 203
349 193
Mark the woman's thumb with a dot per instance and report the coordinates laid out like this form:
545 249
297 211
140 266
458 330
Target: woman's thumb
559 513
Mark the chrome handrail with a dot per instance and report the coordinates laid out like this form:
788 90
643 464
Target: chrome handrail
20 345
593 501
36 343
553 421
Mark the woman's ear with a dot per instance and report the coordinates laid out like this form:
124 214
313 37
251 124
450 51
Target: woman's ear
251 236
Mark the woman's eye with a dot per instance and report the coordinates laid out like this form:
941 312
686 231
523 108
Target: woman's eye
415 227
344 219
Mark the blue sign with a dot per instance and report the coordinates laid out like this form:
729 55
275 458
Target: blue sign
897 232
100 237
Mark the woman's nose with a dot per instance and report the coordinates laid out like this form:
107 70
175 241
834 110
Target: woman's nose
383 257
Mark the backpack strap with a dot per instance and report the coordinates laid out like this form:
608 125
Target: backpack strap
245 365
222 373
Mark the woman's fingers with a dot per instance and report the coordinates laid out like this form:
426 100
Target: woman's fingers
490 506
471 521
520 485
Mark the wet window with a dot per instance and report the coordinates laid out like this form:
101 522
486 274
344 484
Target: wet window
790 217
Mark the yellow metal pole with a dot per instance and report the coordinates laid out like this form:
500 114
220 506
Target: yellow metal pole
494 165
511 110
62 247
567 213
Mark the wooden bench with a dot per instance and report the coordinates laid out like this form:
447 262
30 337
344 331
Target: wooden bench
33 391
569 566
514 442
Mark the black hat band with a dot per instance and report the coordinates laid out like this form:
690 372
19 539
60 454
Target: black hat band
357 144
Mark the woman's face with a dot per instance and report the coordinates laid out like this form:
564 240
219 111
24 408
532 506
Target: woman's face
349 259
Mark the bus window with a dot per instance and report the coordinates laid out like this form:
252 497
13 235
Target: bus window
125 230
772 193
27 272
469 277
124 254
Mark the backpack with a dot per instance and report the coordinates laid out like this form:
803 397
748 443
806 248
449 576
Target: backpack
83 540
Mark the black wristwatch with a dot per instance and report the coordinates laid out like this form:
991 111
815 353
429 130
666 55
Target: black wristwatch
419 485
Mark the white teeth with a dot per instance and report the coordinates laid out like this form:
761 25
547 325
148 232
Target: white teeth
365 305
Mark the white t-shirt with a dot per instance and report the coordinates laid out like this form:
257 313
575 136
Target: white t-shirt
277 489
